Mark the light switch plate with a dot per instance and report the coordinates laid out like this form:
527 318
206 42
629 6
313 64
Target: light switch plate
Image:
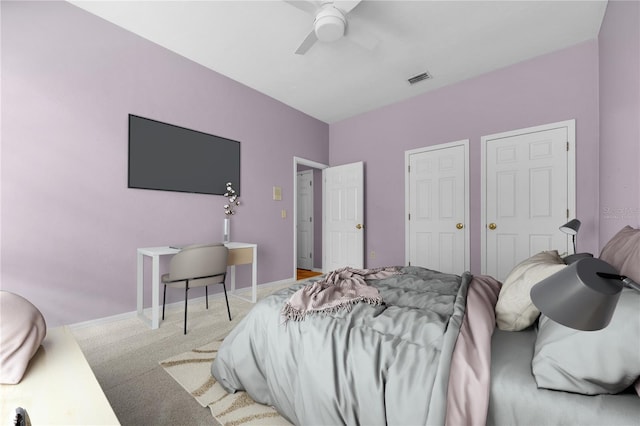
277 193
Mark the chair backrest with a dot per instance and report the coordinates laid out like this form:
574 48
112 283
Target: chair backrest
201 245
199 261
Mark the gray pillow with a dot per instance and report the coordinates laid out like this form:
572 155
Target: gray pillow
623 252
606 361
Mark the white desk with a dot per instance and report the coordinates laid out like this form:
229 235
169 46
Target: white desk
239 254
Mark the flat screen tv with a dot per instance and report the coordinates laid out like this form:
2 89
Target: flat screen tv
171 158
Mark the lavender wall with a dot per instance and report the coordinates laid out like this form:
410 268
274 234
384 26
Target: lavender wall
555 87
619 48
70 225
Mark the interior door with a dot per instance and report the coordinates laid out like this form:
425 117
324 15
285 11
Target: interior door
529 191
343 216
304 219
437 204
300 164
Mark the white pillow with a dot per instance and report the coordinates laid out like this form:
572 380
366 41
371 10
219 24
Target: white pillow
22 329
515 311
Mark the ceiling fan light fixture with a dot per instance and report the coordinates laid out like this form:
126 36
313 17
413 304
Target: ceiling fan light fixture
329 24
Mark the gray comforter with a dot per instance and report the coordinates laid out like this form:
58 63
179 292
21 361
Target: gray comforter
385 364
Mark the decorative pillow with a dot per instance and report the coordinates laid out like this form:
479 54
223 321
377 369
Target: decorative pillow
606 361
515 311
623 252
22 328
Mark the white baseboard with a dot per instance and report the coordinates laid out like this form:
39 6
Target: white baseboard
101 321
170 306
271 284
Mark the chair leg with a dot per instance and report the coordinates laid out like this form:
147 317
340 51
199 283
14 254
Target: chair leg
164 297
206 295
226 300
186 290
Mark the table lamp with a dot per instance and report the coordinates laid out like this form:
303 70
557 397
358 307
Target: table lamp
571 228
583 295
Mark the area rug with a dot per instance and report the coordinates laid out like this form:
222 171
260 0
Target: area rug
192 370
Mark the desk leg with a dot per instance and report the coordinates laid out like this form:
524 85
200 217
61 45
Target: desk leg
155 290
254 276
140 286
233 278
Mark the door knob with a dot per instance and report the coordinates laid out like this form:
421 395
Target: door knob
359 226
459 226
492 226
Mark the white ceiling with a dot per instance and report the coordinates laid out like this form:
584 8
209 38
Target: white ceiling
253 42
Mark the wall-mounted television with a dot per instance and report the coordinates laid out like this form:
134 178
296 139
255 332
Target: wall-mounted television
171 158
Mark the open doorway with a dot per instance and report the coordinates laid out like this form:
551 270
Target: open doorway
307 203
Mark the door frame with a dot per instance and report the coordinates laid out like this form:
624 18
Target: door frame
299 161
467 234
570 125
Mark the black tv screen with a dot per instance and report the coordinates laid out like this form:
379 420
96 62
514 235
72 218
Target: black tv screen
171 158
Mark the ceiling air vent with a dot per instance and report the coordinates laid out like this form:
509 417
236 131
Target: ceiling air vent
424 76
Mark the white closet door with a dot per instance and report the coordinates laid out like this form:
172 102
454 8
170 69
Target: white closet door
437 220
527 195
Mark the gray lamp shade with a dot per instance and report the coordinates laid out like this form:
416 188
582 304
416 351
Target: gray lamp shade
571 227
577 297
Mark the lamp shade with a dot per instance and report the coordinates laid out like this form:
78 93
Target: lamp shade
577 297
571 227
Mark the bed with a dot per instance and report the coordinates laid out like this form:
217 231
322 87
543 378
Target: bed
516 399
429 352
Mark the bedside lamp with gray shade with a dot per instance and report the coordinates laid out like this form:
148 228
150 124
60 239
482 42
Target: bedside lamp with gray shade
571 228
583 295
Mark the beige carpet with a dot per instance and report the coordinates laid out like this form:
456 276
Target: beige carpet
125 357
192 370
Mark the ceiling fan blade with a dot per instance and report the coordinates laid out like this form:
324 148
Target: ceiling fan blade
307 43
310 7
346 6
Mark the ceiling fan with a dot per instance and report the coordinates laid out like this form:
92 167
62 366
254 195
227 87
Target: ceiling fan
330 23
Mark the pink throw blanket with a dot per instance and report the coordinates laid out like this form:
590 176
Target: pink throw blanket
339 289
